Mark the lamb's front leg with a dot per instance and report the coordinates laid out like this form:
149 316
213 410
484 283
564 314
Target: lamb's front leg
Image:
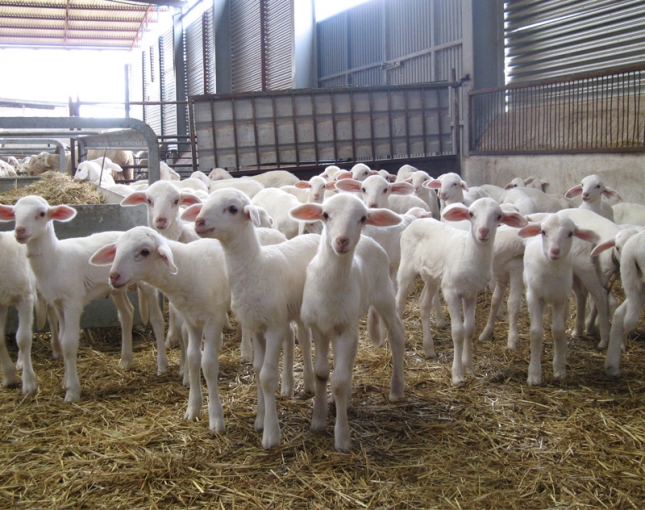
126 316
304 340
157 323
625 319
9 377
23 338
288 350
70 321
536 312
580 294
469 330
514 304
193 364
558 327
321 368
210 368
495 303
259 349
425 304
345 347
457 327
269 381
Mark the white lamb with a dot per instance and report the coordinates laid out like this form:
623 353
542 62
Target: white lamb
531 201
454 190
348 275
198 174
592 190
91 171
277 204
249 186
68 282
628 313
199 292
429 196
629 213
548 276
377 193
266 288
330 173
459 262
530 182
276 178
405 172
17 288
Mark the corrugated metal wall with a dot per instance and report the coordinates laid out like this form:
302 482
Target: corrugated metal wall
262 45
168 83
194 57
552 38
152 88
391 42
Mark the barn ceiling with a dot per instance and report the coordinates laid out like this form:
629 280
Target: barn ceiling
79 24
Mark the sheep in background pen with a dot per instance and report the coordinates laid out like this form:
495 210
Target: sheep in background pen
592 190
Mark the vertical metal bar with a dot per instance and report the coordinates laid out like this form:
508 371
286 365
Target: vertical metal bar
237 148
423 121
275 132
372 125
407 123
637 106
389 118
333 125
193 140
255 133
295 128
214 128
439 119
453 76
313 117
263 50
347 50
351 108
611 110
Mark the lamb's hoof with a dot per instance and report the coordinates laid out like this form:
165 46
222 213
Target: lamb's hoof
29 389
217 429
612 370
125 364
72 396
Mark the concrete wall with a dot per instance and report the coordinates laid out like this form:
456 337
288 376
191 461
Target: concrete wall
623 172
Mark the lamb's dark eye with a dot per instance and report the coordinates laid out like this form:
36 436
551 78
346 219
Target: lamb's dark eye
471 215
363 190
326 216
232 209
598 186
385 190
570 234
145 252
363 219
149 201
618 249
542 232
177 202
42 214
499 218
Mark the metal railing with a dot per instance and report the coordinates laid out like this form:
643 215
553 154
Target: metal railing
592 112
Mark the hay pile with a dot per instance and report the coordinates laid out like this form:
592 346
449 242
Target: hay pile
492 443
57 188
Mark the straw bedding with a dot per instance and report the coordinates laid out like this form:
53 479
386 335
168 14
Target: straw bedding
491 443
57 188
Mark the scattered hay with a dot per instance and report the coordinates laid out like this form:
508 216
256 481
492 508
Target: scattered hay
491 443
57 188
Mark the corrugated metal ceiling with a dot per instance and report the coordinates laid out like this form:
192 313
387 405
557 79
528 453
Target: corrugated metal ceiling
76 23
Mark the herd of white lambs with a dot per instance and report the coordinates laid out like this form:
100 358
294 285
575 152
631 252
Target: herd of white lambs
216 244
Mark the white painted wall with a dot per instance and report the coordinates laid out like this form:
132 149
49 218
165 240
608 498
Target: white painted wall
623 172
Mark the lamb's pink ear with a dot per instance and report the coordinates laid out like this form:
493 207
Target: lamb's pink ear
509 186
61 212
530 230
191 213
165 254
104 256
348 185
529 180
330 185
611 194
390 178
307 212
187 199
374 172
605 245
136 198
401 188
586 235
514 219
463 185
6 213
574 192
302 185
455 212
252 214
382 218
343 175
432 184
